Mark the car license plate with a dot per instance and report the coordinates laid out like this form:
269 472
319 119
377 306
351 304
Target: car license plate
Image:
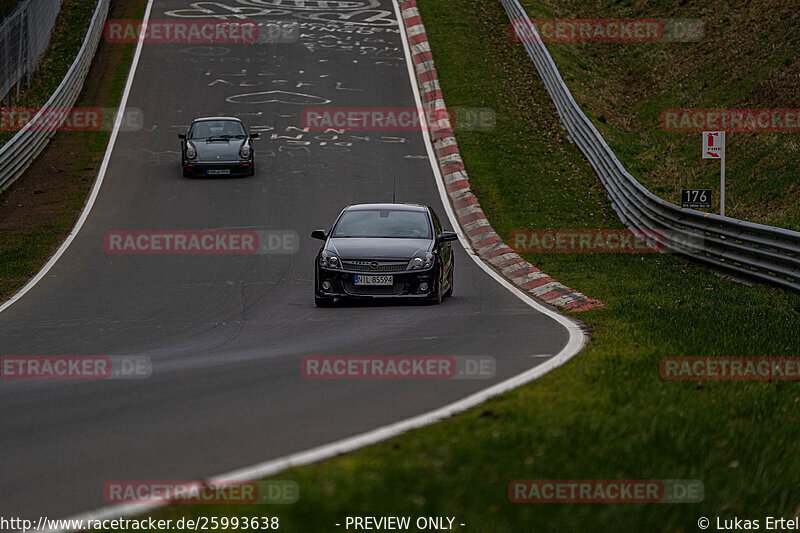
374 280
218 171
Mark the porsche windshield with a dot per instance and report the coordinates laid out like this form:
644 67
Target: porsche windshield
390 223
216 128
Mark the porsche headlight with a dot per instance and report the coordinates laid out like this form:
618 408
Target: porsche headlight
328 260
245 152
191 153
420 261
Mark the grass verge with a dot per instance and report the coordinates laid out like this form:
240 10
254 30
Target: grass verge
607 414
39 209
748 57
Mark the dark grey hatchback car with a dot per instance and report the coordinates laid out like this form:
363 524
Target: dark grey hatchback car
377 251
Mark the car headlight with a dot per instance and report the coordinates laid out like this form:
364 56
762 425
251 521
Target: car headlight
245 152
191 153
420 261
329 260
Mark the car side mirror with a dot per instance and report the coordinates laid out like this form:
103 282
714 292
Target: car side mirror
254 135
447 236
182 136
320 234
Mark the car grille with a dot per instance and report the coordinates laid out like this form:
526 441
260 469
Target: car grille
374 290
375 266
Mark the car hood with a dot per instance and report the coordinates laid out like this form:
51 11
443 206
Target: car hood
226 150
383 248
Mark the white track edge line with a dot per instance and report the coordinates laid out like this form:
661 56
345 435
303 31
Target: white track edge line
576 342
100 176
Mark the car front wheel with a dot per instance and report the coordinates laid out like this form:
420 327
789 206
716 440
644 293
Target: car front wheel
438 295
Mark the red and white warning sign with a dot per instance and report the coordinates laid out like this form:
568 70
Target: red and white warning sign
713 144
714 148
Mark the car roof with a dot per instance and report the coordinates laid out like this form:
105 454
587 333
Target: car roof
395 206
204 119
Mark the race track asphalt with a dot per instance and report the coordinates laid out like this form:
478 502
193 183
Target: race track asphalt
226 333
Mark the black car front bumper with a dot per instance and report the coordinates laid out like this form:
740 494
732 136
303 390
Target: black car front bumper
406 284
216 169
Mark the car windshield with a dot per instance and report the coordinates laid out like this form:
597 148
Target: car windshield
390 223
216 128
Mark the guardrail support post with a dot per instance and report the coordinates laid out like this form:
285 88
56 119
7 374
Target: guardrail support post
722 178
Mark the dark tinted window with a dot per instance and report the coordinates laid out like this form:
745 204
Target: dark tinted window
384 223
216 128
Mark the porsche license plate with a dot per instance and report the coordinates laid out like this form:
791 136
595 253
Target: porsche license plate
374 280
218 171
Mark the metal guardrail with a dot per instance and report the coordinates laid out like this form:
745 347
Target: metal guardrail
19 152
24 36
766 253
